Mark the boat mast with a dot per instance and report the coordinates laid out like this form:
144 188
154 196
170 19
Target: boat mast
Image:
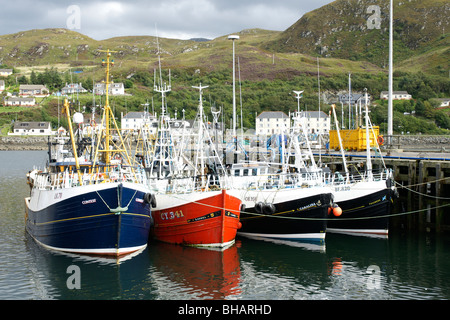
368 161
200 149
108 118
333 107
72 139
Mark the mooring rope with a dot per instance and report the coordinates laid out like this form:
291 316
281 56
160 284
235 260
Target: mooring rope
278 215
420 193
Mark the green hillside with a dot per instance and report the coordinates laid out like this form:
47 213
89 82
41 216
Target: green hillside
340 30
272 64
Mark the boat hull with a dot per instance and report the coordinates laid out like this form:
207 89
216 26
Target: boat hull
208 219
365 210
300 214
110 219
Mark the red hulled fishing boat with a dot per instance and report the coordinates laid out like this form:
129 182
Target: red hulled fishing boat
199 218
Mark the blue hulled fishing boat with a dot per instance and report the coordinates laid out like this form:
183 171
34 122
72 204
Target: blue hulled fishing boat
91 198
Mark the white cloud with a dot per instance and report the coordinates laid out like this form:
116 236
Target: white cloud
181 19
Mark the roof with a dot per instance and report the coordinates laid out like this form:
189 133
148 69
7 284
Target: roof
21 99
353 97
32 86
272 115
395 92
73 85
111 85
313 114
31 125
136 115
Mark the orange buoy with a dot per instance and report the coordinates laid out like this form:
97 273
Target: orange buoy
330 209
239 225
337 211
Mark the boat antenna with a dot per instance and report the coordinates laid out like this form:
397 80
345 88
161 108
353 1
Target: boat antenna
161 88
200 129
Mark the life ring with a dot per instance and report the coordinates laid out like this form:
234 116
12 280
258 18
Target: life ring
380 140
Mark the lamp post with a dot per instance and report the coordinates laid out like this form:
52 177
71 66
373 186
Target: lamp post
233 38
390 129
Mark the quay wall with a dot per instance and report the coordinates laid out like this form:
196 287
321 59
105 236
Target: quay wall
399 141
423 185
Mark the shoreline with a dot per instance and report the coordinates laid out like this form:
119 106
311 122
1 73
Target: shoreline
40 143
21 143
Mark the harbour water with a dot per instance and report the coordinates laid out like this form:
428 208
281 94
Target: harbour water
405 266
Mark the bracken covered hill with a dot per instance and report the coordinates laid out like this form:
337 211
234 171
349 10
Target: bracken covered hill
340 30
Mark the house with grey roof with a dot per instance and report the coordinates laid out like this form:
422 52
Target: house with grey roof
355 98
42 128
136 120
6 72
33 90
396 95
316 122
73 88
114 88
20 101
272 122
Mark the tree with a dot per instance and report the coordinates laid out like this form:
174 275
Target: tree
420 108
429 110
442 120
22 80
33 78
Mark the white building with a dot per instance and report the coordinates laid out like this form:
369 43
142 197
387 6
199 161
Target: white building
444 102
396 95
73 88
272 122
114 88
32 128
33 90
136 120
2 85
6 72
316 122
20 101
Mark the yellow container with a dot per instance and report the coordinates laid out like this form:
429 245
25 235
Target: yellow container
355 139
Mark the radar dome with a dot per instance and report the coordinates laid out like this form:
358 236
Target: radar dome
78 118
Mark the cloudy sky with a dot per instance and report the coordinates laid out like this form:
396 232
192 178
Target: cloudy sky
181 19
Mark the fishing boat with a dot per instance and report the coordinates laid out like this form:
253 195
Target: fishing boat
192 206
365 198
280 206
89 199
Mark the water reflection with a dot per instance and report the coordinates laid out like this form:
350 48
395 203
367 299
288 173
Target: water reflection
404 266
195 273
350 268
100 278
